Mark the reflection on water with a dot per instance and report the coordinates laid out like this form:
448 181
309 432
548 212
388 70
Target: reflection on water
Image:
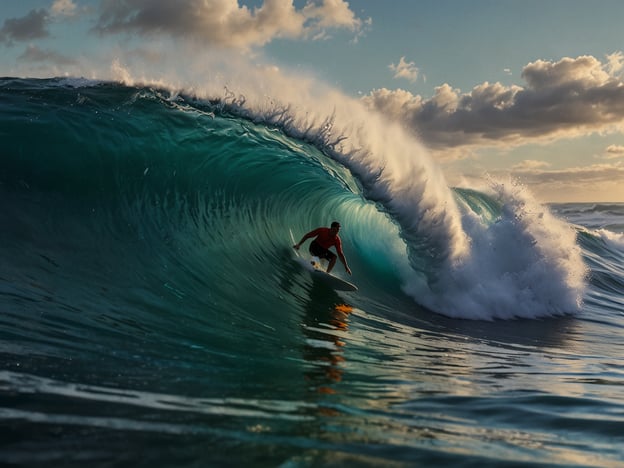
325 337
325 326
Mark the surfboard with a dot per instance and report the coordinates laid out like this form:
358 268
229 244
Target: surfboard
314 266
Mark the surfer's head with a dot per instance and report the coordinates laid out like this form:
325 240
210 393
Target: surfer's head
335 226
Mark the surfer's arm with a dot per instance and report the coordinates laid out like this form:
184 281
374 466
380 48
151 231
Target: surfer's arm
341 256
344 262
306 237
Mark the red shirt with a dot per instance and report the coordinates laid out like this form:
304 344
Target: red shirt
326 240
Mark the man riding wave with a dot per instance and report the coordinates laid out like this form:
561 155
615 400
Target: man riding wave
324 239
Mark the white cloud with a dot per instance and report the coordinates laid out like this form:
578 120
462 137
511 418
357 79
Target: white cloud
225 22
563 99
331 14
530 165
615 62
614 152
405 70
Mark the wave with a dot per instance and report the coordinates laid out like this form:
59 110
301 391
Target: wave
194 195
607 216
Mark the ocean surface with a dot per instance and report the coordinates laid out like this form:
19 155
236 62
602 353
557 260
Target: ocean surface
152 312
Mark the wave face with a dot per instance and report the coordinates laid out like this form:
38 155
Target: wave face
146 233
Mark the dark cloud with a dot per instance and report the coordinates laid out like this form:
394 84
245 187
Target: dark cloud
32 26
35 54
567 98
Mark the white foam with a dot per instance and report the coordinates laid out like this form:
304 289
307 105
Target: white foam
613 239
526 264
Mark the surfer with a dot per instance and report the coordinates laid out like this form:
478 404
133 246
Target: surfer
324 239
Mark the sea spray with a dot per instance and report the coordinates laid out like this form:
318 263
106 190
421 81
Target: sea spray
525 263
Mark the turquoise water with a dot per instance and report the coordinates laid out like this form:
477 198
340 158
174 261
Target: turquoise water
152 311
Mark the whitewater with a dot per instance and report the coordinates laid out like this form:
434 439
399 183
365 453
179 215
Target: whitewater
152 311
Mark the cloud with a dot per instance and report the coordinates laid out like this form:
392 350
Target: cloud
614 152
63 8
224 22
29 27
595 182
405 70
530 165
331 14
584 175
615 62
563 99
35 54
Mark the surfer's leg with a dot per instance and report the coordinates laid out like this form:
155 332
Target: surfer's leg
316 250
332 261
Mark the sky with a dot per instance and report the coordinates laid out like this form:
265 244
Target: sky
532 90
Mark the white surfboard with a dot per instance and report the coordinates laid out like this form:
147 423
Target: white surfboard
313 265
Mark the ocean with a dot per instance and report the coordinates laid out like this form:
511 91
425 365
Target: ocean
152 311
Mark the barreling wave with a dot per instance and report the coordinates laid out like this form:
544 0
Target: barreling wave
193 196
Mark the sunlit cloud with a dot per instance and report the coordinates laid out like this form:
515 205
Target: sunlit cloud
225 23
595 173
614 152
405 70
530 165
615 63
563 99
